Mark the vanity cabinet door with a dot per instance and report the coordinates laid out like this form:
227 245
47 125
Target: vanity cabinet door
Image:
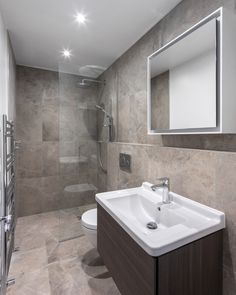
132 269
194 269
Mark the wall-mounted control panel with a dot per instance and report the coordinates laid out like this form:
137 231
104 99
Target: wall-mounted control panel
125 162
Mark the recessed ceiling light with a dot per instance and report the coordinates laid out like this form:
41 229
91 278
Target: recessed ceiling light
80 18
66 53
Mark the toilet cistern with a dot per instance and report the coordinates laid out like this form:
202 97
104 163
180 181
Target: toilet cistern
165 186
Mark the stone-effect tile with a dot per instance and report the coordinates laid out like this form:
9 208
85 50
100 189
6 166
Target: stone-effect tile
50 118
112 167
67 277
29 122
68 123
37 86
68 267
22 261
68 249
30 160
50 152
35 282
30 195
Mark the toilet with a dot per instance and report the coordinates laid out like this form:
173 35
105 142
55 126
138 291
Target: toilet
89 225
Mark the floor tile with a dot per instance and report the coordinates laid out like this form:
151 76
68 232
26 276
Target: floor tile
55 258
28 261
36 282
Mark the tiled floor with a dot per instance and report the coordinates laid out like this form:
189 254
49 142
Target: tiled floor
48 261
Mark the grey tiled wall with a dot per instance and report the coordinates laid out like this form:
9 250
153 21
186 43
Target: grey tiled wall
201 167
56 120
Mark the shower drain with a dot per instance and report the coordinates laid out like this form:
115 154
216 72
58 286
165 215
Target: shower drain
152 225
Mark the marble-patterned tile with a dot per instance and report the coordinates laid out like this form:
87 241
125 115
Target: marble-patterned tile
65 277
68 277
28 233
29 240
28 261
67 249
68 123
138 168
32 231
112 166
185 168
35 282
70 230
49 219
29 192
37 86
225 181
29 122
50 151
29 86
68 267
87 122
50 120
30 160
68 148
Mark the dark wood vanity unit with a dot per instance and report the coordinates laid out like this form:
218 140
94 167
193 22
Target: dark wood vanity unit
194 269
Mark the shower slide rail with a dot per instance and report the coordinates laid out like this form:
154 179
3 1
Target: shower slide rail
7 200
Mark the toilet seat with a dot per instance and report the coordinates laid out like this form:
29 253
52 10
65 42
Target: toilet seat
89 219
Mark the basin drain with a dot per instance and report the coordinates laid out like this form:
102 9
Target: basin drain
152 225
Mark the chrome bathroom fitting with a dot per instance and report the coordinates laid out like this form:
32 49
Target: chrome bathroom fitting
165 185
109 122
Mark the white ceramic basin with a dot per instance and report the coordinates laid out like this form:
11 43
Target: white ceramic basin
179 223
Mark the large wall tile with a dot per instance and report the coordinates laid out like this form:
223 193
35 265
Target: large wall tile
112 166
30 160
29 192
50 158
29 122
36 86
51 193
69 123
50 117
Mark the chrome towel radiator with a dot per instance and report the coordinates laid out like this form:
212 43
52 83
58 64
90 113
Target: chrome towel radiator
7 200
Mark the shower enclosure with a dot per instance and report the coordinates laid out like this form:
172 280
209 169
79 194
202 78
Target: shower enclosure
77 152
58 168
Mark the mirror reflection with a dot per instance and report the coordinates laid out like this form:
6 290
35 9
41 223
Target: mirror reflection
183 82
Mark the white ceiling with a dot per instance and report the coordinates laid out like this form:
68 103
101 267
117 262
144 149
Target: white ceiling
40 29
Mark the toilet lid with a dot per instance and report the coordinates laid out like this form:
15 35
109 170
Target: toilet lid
89 219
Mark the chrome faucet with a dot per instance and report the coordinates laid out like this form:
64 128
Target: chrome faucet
165 185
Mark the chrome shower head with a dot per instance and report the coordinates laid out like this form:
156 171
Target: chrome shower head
86 82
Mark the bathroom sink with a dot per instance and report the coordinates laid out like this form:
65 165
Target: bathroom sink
178 223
